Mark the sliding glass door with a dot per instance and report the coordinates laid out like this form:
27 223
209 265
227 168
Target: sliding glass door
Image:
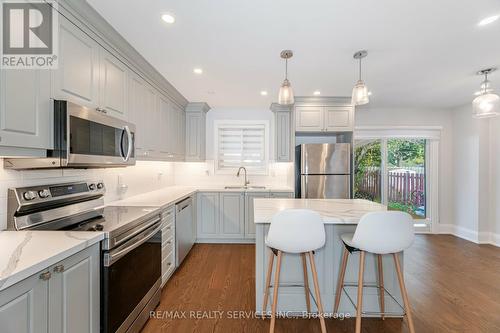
393 171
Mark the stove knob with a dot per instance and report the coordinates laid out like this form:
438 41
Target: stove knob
92 187
30 195
100 186
44 193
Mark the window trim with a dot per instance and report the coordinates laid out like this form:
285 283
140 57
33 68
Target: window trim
432 135
241 123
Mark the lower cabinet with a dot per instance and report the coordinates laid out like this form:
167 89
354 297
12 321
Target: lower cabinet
227 217
60 298
167 244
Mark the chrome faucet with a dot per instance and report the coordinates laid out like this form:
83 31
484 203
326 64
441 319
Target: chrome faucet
238 174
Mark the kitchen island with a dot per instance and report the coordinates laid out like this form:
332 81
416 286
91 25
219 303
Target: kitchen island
339 216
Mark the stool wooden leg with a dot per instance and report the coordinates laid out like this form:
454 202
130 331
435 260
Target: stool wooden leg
381 284
306 282
275 292
340 283
317 292
268 283
404 293
359 305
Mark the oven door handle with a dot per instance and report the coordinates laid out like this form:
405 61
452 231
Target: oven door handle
130 143
112 257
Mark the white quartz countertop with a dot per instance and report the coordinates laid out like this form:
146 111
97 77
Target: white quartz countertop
170 195
332 211
24 253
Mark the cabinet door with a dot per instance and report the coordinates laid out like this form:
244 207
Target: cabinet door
163 126
283 136
232 215
26 117
309 119
339 119
181 133
208 215
249 221
193 136
74 293
151 123
77 77
23 306
113 80
137 112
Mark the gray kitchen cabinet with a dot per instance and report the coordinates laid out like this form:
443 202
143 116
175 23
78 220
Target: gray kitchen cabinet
77 77
113 82
26 118
23 307
283 132
324 114
164 129
339 118
137 113
281 195
208 215
151 123
309 119
74 297
249 220
180 133
61 298
196 131
232 214
167 244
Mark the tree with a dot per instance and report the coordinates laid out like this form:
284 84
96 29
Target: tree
406 152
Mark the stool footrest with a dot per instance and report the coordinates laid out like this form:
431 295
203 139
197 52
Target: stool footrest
368 285
285 285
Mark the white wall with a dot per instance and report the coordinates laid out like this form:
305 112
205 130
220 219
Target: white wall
495 180
367 116
143 177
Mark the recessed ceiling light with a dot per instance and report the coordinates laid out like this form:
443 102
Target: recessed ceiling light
369 93
263 93
317 93
168 18
488 20
198 71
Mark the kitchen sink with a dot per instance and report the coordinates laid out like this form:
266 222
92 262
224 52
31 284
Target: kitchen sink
244 187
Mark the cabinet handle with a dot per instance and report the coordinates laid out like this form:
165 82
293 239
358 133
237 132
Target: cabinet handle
45 276
59 269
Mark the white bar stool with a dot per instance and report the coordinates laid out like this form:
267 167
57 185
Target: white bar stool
299 231
379 233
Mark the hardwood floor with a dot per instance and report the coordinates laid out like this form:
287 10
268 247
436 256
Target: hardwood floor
453 285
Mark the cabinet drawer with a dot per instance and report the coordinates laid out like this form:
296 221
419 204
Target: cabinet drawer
167 231
167 266
168 215
167 247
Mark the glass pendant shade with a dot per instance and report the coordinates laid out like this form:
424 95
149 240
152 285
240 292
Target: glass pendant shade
285 96
486 105
360 94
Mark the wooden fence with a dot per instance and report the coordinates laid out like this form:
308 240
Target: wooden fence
403 187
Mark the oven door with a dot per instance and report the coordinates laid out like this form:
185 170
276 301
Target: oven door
96 140
130 278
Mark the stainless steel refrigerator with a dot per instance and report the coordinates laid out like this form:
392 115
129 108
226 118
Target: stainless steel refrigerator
323 171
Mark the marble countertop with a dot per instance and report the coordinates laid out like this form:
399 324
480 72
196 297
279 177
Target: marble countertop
332 211
170 195
24 253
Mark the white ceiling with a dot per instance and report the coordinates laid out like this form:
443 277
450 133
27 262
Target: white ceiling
421 53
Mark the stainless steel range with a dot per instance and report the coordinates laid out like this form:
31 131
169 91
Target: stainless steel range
130 252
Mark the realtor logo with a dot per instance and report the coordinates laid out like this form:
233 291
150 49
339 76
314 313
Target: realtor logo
29 34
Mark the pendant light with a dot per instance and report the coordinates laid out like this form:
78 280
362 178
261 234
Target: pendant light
360 91
487 104
285 96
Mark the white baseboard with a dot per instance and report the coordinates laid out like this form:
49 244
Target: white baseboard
470 235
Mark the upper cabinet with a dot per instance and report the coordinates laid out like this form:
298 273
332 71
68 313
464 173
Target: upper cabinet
324 115
283 132
196 131
26 119
113 82
77 77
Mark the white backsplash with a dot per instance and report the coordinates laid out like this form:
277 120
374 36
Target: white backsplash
203 174
141 178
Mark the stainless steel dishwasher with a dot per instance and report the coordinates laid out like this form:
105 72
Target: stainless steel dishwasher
184 229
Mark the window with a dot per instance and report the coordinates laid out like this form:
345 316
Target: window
241 143
398 168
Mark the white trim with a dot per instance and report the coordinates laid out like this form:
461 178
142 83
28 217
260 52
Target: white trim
470 235
378 132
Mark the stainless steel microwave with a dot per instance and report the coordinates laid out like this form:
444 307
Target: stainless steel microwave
83 138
